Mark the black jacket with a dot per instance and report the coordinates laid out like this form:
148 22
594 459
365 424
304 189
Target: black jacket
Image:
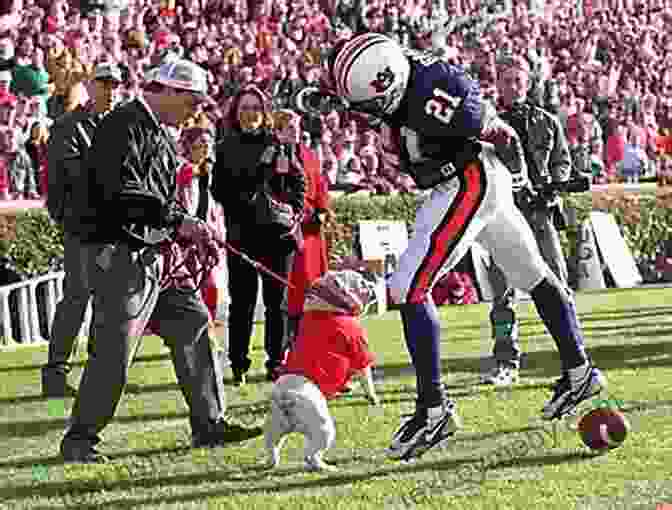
69 140
130 154
238 173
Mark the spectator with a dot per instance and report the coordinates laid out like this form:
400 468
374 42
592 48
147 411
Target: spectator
68 146
36 147
5 161
23 176
237 180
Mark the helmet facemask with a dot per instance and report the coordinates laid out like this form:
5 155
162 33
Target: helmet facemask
381 106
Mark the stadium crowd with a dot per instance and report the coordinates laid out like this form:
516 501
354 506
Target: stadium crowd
606 72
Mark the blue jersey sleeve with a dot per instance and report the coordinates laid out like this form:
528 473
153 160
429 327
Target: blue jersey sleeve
444 101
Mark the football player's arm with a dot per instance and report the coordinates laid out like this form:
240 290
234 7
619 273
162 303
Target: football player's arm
560 161
507 144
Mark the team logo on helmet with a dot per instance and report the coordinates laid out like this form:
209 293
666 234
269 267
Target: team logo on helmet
384 80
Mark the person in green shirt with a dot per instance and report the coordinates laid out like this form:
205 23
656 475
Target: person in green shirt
30 78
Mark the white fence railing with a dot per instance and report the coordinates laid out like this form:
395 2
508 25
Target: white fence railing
27 309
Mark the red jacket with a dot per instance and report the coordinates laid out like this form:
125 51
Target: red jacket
330 347
311 262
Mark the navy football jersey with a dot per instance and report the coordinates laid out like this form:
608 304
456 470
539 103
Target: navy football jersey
442 100
439 113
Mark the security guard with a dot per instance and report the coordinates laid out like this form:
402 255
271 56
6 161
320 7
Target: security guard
548 161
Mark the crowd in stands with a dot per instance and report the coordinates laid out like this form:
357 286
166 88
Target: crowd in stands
606 71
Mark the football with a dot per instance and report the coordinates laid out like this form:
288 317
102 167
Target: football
603 428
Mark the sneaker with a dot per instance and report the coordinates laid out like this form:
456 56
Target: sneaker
423 430
81 451
222 432
55 384
315 464
502 375
569 392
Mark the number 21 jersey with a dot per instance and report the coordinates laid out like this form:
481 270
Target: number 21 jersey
442 105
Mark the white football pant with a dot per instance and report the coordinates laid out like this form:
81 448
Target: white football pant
474 206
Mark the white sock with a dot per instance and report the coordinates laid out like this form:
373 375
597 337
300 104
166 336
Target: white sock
578 373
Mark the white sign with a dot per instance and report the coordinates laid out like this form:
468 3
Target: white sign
589 270
381 238
615 252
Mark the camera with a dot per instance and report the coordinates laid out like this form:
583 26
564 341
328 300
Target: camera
577 184
311 103
316 102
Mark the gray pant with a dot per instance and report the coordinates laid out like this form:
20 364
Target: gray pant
127 295
503 315
78 261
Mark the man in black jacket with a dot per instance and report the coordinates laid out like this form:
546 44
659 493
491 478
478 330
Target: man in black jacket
70 137
130 211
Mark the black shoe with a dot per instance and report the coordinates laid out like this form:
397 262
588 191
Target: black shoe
55 383
239 377
222 432
81 451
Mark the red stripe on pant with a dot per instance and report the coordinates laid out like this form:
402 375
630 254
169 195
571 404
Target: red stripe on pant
449 232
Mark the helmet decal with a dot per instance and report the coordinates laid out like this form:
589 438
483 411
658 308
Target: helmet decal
384 80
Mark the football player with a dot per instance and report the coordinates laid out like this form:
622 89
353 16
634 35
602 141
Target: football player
453 143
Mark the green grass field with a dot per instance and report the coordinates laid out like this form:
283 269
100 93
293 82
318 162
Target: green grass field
497 461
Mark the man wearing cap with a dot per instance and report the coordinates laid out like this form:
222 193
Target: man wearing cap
70 139
130 212
548 161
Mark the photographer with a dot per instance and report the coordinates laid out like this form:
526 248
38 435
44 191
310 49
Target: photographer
549 164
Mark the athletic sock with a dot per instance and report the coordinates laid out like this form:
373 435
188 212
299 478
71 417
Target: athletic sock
578 373
422 331
557 311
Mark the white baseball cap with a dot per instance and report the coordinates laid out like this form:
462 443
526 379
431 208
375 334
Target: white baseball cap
181 74
5 76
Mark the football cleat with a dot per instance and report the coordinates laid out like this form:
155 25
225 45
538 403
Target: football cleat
424 430
568 393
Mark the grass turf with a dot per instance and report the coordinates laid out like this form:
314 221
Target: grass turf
504 458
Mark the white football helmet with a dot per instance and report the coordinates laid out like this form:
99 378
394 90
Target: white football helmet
371 72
